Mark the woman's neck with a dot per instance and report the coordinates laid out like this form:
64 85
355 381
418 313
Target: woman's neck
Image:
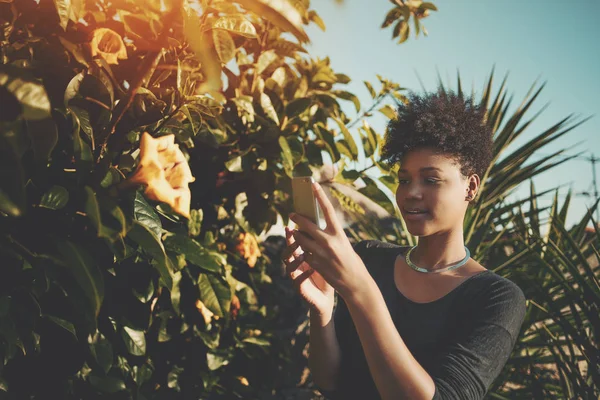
440 250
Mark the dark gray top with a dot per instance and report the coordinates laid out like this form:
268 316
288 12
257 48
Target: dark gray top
462 340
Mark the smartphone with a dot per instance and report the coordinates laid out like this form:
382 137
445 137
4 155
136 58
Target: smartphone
305 202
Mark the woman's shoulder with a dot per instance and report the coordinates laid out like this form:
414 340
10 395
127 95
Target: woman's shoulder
493 296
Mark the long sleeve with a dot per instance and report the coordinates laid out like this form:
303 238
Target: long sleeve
467 367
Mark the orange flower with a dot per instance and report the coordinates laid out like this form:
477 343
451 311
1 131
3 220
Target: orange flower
235 306
109 45
206 313
165 172
248 248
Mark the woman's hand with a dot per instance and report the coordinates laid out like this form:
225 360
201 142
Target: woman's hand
310 284
329 251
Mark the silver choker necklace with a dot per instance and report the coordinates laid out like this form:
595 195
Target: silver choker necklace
437 271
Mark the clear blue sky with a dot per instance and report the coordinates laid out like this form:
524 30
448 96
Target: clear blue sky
552 40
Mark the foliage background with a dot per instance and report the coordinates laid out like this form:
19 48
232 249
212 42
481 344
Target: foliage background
106 293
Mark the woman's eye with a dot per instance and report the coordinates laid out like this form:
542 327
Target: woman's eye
402 181
432 181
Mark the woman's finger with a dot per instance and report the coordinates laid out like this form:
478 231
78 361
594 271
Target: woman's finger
290 251
291 267
306 225
298 279
326 207
308 244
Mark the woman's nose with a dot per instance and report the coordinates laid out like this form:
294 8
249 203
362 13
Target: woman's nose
413 192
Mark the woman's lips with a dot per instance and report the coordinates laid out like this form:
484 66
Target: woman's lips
415 217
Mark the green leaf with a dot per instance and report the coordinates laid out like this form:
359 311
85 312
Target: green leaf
107 384
388 111
373 192
404 31
429 6
286 154
297 106
224 45
69 10
66 325
215 293
85 271
281 13
314 17
135 341
325 135
94 210
215 360
267 106
264 60
193 251
55 198
391 16
30 93
342 78
236 24
152 245
195 222
144 213
370 88
102 351
35 105
348 138
347 96
83 116
257 341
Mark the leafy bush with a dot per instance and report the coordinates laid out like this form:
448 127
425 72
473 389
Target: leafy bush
126 273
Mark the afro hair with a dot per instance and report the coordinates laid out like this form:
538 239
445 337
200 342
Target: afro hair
448 123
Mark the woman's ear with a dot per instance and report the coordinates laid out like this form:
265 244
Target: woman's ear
473 182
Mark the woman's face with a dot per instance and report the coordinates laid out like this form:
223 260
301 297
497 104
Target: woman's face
432 192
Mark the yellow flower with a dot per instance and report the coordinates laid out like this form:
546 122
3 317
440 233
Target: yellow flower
109 45
206 313
248 248
165 172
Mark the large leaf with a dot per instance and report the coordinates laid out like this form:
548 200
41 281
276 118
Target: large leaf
35 105
151 244
351 144
224 45
69 10
85 271
280 13
193 251
135 341
144 213
215 293
237 24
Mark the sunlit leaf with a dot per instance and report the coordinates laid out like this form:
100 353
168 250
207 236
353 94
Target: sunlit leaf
223 45
236 24
69 10
135 341
279 12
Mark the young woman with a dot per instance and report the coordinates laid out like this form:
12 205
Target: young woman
423 322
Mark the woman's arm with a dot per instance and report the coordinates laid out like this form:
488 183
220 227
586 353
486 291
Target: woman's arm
396 373
324 351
